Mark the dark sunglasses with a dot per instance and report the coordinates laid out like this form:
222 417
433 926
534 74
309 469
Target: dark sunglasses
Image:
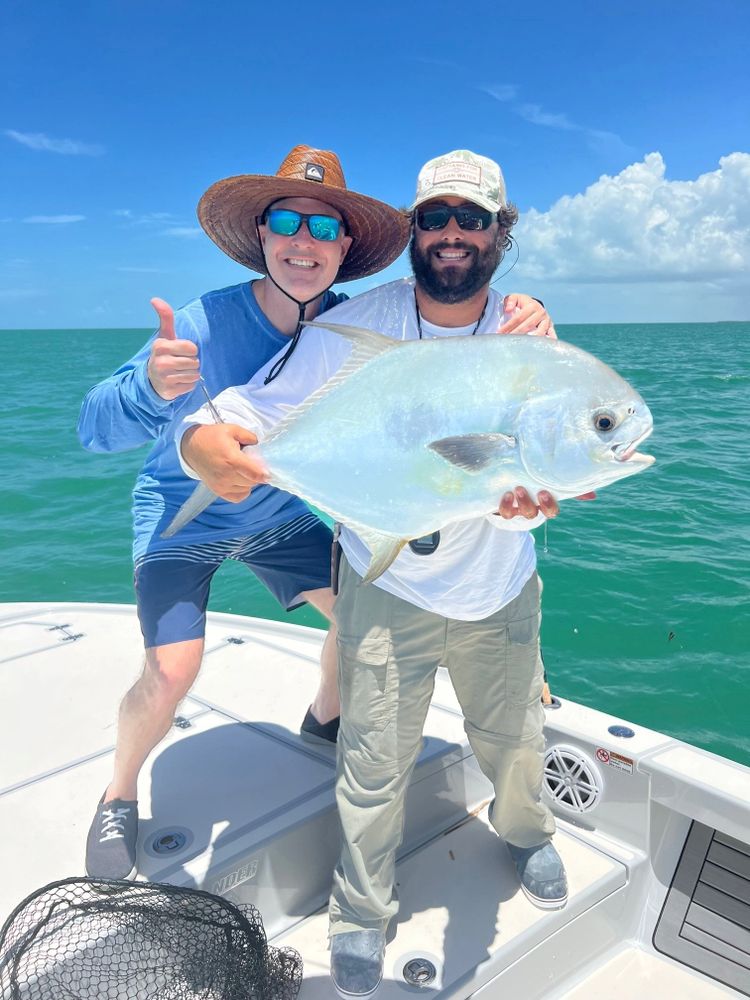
469 217
285 222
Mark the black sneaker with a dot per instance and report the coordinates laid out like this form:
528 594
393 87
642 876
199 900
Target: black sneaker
110 847
319 732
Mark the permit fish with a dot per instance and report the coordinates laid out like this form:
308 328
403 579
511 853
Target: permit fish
410 436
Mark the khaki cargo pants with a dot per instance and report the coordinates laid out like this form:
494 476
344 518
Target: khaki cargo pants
389 651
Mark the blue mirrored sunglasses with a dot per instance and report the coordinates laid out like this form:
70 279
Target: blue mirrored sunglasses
285 222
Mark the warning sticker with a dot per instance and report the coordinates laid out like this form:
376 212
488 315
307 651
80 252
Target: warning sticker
615 760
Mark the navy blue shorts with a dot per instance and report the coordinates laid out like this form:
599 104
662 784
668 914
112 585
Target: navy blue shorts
172 585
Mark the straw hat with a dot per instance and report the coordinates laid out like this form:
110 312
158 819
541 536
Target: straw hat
228 210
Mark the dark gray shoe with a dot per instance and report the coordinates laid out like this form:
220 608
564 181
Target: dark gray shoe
319 732
110 847
542 875
357 963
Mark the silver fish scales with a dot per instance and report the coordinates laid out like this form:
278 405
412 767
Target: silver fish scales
410 436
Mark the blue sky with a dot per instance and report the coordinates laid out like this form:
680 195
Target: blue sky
623 130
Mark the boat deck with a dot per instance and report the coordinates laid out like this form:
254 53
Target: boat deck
233 801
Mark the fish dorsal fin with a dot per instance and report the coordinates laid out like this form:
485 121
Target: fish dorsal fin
366 345
474 452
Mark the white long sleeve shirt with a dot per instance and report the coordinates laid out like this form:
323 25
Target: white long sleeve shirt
481 564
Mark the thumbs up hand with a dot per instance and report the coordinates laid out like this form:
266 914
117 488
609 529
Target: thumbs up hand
173 368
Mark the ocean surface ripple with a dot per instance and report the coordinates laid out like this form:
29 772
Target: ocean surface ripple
646 588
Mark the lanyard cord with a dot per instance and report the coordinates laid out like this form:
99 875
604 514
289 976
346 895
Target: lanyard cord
278 367
476 326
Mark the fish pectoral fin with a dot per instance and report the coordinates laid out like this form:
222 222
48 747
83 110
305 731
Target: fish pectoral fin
474 452
383 550
195 504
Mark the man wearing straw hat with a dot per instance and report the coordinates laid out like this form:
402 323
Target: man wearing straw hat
469 598
303 229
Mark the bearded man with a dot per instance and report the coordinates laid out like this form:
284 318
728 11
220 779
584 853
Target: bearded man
467 597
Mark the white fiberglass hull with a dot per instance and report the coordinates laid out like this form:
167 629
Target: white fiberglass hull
234 802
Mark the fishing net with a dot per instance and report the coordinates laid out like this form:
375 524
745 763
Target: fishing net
100 939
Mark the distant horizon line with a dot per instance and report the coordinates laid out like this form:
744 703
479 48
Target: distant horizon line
149 330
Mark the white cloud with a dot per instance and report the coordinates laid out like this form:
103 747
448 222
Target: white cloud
638 226
144 219
439 63
537 116
604 143
608 144
501 91
45 143
184 232
11 294
141 270
164 223
55 220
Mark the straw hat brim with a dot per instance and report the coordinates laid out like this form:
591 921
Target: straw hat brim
228 210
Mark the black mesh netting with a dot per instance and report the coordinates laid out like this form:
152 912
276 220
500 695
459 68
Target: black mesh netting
98 939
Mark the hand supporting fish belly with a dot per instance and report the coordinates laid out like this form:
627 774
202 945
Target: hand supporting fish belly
411 436
518 503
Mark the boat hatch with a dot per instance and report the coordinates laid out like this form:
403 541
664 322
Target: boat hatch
705 922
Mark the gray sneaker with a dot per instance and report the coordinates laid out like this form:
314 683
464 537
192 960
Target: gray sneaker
542 875
357 963
110 847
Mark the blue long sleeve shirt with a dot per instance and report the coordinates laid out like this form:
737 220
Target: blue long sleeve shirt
234 339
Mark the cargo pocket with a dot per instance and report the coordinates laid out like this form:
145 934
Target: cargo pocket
523 664
366 680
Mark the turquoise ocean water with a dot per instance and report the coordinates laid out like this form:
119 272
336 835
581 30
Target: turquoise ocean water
646 589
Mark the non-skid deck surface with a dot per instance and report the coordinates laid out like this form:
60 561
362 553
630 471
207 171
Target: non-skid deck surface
232 801
639 975
460 907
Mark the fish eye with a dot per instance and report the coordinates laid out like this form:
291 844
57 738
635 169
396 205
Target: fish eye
605 420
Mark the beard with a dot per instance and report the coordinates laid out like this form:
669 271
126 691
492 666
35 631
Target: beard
450 285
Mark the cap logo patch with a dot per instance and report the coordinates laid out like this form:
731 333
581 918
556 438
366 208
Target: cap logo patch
314 172
456 170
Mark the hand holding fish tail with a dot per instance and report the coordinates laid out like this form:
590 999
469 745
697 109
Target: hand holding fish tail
528 316
214 452
518 502
173 368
